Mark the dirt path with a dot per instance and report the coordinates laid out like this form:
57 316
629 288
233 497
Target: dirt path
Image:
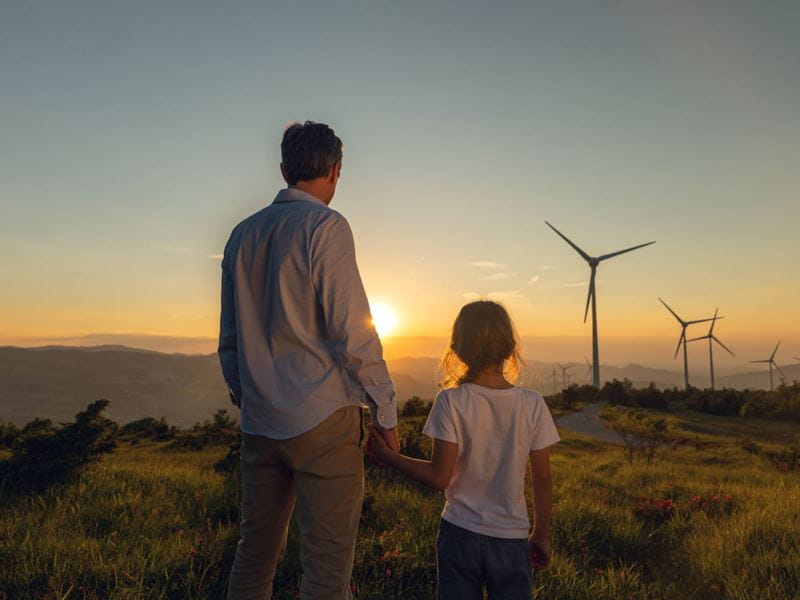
587 422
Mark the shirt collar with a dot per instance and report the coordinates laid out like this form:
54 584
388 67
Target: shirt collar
293 194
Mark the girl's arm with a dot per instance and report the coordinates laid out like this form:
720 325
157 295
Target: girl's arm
542 488
435 473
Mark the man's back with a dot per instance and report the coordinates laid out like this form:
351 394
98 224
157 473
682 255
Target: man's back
298 307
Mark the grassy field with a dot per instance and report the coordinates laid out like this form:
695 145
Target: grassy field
149 523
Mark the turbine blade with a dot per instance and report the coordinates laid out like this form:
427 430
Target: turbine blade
589 296
696 321
585 256
779 369
776 350
702 337
674 314
759 361
618 252
680 340
713 322
797 357
713 337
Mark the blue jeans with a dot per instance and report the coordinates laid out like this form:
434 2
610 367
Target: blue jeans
469 561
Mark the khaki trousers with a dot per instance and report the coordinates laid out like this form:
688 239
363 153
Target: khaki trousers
322 472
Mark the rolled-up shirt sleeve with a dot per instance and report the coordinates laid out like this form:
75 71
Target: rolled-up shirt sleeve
227 350
348 322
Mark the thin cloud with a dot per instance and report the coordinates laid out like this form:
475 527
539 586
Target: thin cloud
498 276
500 296
506 296
533 279
547 267
574 284
171 249
488 264
215 256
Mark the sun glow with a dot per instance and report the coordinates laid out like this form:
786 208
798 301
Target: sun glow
384 318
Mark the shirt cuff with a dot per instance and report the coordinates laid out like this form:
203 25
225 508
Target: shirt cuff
384 416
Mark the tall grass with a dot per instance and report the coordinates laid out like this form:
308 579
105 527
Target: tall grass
145 523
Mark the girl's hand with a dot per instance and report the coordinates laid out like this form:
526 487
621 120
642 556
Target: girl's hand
539 551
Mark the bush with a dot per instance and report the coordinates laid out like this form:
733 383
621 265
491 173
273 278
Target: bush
641 434
783 403
617 392
725 402
42 455
416 407
221 430
147 429
8 434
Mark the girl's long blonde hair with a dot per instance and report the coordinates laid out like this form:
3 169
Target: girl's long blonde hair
483 336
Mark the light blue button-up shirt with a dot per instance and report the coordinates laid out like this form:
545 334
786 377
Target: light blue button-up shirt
296 338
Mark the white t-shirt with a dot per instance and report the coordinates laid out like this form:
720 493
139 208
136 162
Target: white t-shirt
495 431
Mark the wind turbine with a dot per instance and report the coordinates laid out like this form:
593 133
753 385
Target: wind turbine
590 368
593 262
682 340
711 339
772 363
564 372
554 380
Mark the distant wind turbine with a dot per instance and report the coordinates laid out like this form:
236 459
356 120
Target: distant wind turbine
593 262
554 380
564 374
772 363
682 340
711 339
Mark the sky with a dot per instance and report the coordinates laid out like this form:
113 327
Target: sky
134 136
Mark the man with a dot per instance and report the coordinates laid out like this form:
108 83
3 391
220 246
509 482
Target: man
300 356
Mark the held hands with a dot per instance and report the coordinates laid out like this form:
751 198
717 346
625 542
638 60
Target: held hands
539 547
381 444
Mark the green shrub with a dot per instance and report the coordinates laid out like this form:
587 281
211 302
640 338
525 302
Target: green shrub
147 429
42 455
416 407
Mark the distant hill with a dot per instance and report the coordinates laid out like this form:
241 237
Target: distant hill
57 381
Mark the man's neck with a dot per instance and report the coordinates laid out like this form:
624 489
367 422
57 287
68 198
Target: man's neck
314 187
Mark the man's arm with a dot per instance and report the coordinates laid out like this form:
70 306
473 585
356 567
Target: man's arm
227 350
347 319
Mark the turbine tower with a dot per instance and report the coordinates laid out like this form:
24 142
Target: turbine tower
682 340
554 380
772 363
564 373
593 262
711 339
590 368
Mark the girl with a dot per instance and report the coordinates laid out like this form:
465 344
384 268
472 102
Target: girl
485 430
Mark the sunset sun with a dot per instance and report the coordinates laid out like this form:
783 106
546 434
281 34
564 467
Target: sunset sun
384 318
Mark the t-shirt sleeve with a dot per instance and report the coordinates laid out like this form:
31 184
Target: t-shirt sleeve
440 423
544 429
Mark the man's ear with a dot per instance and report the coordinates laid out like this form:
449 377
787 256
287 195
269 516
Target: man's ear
283 173
336 172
